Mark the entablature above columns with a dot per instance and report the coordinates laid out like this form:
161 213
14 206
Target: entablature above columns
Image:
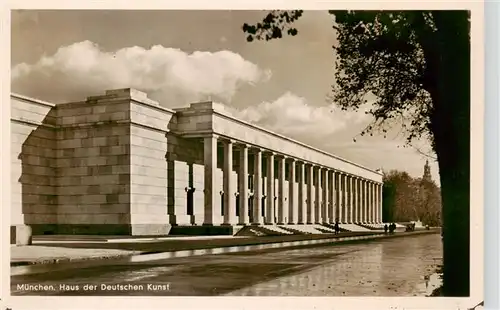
266 151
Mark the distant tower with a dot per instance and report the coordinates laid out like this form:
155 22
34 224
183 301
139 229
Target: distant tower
427 171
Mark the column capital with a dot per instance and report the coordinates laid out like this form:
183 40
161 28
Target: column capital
291 159
226 139
211 135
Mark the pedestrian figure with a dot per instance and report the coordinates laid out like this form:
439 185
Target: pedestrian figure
385 228
337 227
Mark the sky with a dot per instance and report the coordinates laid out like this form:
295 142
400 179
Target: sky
180 57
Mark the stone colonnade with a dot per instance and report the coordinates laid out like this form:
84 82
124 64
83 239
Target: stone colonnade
316 194
120 163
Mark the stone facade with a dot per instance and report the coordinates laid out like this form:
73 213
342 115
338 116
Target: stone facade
122 164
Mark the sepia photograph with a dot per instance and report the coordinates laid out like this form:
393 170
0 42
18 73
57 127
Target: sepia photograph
320 153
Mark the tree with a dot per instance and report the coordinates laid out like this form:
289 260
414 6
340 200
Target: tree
430 204
388 201
417 64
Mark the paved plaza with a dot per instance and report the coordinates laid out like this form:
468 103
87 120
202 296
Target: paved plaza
403 266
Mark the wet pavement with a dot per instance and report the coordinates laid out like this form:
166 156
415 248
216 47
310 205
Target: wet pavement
403 266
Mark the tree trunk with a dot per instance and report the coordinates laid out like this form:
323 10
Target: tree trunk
451 128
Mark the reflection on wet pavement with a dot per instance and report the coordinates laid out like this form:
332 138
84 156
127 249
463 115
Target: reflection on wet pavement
390 267
40 268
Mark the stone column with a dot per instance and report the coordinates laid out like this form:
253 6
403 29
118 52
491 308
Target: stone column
337 196
243 185
374 204
292 203
377 202
331 215
375 211
301 218
210 165
381 191
269 218
309 201
257 187
351 199
346 198
317 201
370 202
355 202
325 209
228 187
281 190
360 202
343 191
365 201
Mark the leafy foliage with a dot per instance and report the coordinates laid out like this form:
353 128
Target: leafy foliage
380 53
273 26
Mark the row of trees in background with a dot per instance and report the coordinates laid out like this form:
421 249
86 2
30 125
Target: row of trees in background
410 199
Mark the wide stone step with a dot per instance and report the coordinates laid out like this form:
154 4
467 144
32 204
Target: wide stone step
278 229
307 229
353 227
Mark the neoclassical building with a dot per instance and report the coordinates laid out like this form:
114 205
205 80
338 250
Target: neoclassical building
120 163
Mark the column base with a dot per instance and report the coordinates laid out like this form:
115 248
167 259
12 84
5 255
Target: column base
21 235
243 221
